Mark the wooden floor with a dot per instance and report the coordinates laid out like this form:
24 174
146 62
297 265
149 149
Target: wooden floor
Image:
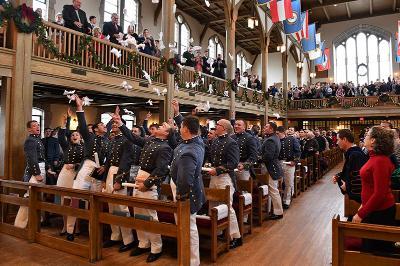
303 237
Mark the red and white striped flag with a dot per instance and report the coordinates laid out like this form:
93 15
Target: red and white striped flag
303 33
280 10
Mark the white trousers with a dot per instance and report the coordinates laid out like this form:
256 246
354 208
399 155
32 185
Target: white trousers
21 220
146 239
273 192
194 234
118 233
243 175
85 182
288 178
220 182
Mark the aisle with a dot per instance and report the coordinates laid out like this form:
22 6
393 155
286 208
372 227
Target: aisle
303 237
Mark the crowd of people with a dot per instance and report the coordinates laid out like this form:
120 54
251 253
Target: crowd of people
322 90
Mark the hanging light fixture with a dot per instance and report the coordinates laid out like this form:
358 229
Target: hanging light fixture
155 1
313 75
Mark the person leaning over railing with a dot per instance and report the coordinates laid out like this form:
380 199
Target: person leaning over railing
75 18
378 204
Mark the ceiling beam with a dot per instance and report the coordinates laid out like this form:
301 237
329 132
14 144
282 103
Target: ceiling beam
157 12
326 14
358 16
223 19
348 10
371 7
394 5
310 5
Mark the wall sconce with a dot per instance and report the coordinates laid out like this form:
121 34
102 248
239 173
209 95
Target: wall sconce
313 75
250 23
256 22
155 1
300 65
281 48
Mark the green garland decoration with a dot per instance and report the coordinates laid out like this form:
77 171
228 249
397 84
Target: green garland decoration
25 19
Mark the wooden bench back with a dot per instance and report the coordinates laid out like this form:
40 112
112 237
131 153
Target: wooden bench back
218 195
245 185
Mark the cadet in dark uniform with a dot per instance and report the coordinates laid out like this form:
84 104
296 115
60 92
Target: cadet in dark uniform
73 156
138 131
224 158
118 164
90 175
35 171
155 157
289 156
248 150
270 150
186 174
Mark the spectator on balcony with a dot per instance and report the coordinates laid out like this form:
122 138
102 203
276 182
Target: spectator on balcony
148 41
112 29
97 33
39 12
188 57
59 19
92 22
256 83
198 62
75 18
219 67
206 64
157 51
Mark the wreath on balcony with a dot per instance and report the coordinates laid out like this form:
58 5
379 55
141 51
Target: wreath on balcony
172 66
26 20
332 101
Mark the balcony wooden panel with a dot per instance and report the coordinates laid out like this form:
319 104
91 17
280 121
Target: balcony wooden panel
7 61
345 107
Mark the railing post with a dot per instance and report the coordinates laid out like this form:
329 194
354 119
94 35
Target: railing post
33 214
94 232
183 236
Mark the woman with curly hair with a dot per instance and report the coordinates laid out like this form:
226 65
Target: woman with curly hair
378 204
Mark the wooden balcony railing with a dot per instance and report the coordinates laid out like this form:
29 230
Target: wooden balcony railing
345 102
277 104
3 35
189 79
250 95
67 44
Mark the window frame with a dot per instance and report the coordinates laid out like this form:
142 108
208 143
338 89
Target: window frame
45 13
180 24
121 4
213 39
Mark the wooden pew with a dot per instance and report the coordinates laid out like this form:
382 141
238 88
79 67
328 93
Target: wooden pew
242 209
342 230
260 198
210 226
96 215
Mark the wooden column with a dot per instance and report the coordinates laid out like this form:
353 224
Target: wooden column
285 79
299 73
264 63
16 104
168 28
231 13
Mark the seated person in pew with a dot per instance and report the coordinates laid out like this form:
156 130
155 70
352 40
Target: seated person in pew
186 174
377 200
349 180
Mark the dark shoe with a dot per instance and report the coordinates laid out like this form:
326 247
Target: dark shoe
110 243
139 251
127 247
70 237
275 217
153 257
285 206
236 242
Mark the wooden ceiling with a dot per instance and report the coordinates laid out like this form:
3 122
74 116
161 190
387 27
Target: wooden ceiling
321 12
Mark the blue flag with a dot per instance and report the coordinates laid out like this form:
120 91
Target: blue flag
310 43
322 58
395 54
294 24
262 2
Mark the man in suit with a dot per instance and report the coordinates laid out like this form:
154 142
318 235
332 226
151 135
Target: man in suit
270 151
112 28
219 67
92 22
75 18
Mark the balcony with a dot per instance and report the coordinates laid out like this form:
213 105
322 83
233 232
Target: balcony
95 68
384 105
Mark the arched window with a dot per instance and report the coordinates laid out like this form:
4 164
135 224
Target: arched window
42 4
182 34
215 47
241 62
362 55
38 115
129 15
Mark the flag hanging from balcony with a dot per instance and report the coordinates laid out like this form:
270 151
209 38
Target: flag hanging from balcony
398 39
317 53
280 10
310 43
303 33
397 49
294 24
326 62
262 2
